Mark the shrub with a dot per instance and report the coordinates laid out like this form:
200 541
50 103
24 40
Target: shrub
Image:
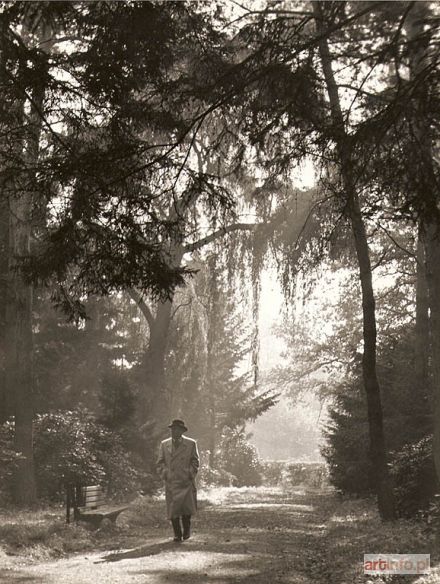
71 447
431 515
8 458
346 451
240 458
214 477
406 413
64 452
273 472
311 474
124 471
413 471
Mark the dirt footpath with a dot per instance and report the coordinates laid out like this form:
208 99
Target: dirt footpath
258 536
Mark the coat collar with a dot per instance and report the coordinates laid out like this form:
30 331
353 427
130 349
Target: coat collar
169 445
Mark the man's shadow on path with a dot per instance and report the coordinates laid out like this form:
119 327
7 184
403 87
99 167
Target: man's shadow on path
159 547
253 518
145 550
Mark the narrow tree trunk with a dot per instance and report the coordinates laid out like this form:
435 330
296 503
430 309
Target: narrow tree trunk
429 197
212 437
432 242
422 345
378 454
210 382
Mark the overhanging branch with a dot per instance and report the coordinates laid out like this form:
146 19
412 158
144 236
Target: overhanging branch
143 306
219 233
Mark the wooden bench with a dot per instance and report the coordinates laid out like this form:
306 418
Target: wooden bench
89 504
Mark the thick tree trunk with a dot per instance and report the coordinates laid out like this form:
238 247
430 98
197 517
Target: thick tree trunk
5 406
20 373
157 395
157 399
20 363
378 454
19 367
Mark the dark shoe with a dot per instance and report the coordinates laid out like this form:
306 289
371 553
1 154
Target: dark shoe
177 528
186 521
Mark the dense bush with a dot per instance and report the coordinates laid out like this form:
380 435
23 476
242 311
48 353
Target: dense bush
407 419
240 459
64 451
287 473
214 477
208 476
273 472
414 476
8 458
124 471
71 447
346 450
311 474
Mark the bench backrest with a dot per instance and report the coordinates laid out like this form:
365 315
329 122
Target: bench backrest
92 497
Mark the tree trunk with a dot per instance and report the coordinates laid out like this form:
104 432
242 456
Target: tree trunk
210 381
422 349
378 453
21 363
156 403
20 372
419 43
6 406
432 242
157 397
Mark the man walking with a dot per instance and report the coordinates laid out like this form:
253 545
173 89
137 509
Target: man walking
177 465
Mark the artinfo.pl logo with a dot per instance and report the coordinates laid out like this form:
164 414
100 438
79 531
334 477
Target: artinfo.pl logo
375 564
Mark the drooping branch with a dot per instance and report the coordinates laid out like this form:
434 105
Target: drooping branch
143 306
181 306
219 233
398 245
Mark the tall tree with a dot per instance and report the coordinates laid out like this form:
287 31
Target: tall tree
400 139
20 198
209 367
342 141
286 83
421 64
99 232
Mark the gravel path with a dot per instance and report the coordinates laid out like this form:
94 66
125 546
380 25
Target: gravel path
259 537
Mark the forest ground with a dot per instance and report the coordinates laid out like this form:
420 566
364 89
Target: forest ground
249 535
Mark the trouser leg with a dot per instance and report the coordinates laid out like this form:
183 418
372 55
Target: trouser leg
176 527
186 522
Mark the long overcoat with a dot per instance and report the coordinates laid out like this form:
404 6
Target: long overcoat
178 468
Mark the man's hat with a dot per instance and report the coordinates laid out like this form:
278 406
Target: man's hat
178 424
